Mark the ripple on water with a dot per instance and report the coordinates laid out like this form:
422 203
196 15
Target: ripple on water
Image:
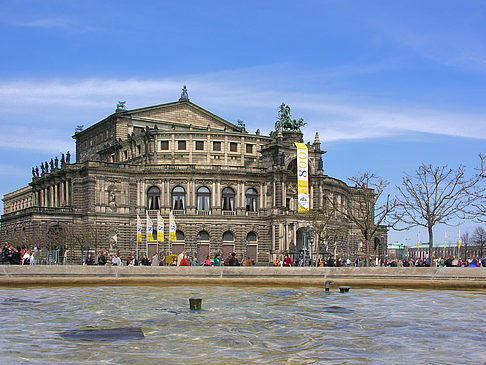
241 325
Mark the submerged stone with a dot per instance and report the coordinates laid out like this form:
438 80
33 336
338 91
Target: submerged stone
337 309
105 334
19 301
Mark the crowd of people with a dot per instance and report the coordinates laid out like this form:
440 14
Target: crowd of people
439 262
22 256
17 255
171 260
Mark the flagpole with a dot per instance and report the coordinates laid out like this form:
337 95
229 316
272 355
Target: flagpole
459 246
445 242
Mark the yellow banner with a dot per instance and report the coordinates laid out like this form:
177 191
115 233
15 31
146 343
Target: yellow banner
302 177
150 230
172 227
139 229
160 228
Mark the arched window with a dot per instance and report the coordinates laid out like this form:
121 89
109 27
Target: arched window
153 198
203 198
228 236
180 235
178 198
251 237
203 236
228 199
251 200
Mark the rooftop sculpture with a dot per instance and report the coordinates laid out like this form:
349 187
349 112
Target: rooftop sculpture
285 121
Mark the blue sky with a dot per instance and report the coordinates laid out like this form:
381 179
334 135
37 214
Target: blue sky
387 84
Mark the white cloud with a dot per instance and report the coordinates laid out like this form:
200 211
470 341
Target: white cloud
41 23
65 104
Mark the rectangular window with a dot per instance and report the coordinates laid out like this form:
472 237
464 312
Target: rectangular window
216 146
199 145
249 148
233 147
139 150
164 145
125 155
181 145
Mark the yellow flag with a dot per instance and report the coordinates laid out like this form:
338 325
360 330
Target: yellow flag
139 229
172 227
150 230
160 228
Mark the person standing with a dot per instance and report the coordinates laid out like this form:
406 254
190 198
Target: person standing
179 258
217 260
233 261
102 259
155 259
89 260
145 261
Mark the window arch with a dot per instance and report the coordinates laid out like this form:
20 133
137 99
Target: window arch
203 198
228 236
251 200
180 235
203 236
178 198
228 199
153 198
251 237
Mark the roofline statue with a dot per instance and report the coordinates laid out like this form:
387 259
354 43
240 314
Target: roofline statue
285 121
184 94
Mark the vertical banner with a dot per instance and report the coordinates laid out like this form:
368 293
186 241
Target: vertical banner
150 229
302 177
160 228
459 243
172 227
418 240
139 229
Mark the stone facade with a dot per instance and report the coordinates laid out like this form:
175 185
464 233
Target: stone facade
230 190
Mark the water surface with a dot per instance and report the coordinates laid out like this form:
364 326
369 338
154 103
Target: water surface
244 325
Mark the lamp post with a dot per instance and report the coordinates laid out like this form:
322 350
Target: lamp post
311 243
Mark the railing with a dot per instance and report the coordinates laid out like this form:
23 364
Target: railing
41 210
179 212
203 212
178 167
252 214
228 212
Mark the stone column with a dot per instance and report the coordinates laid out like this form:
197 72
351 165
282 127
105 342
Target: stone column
284 194
167 197
311 196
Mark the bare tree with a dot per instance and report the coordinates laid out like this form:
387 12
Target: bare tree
479 192
369 209
479 238
325 223
434 195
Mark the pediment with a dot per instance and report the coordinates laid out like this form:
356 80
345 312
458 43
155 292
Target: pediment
181 113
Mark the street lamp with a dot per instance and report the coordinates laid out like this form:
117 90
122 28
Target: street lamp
310 242
198 241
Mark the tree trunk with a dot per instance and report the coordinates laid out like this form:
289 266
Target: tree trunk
431 245
367 252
